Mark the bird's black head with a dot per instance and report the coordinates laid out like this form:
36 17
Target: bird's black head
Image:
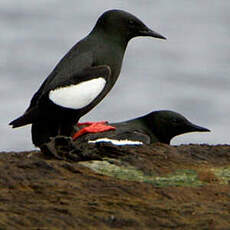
167 124
122 25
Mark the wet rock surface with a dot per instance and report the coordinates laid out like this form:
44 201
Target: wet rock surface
102 186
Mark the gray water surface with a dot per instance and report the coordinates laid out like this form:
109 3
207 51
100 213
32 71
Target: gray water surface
188 73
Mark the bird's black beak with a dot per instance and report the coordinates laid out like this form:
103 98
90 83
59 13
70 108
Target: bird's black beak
196 128
151 33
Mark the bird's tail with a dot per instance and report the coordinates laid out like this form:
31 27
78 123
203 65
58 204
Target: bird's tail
21 121
27 118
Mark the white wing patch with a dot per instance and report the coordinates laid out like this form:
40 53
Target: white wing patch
116 142
77 96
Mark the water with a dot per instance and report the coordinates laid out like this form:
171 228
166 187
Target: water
188 73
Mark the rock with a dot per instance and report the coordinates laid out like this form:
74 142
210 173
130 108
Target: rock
102 186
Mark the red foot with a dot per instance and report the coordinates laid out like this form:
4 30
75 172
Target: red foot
94 127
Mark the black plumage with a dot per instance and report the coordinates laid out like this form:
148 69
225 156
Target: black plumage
99 55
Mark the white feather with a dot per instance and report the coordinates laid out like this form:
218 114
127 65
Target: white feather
116 142
77 96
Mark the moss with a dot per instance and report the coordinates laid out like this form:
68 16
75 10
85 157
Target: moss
178 178
110 169
223 173
185 177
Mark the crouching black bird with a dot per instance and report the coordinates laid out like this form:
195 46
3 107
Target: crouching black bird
158 126
83 77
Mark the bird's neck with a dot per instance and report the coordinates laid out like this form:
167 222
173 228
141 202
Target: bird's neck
156 132
112 37
110 52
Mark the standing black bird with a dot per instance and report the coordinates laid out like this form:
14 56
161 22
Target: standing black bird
158 126
83 77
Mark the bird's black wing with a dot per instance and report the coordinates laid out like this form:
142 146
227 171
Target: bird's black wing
38 108
86 74
73 95
119 135
68 68
135 135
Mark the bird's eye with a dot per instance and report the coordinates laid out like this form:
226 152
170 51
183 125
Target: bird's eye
131 22
175 120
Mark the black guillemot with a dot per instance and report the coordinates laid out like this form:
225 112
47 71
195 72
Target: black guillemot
158 126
